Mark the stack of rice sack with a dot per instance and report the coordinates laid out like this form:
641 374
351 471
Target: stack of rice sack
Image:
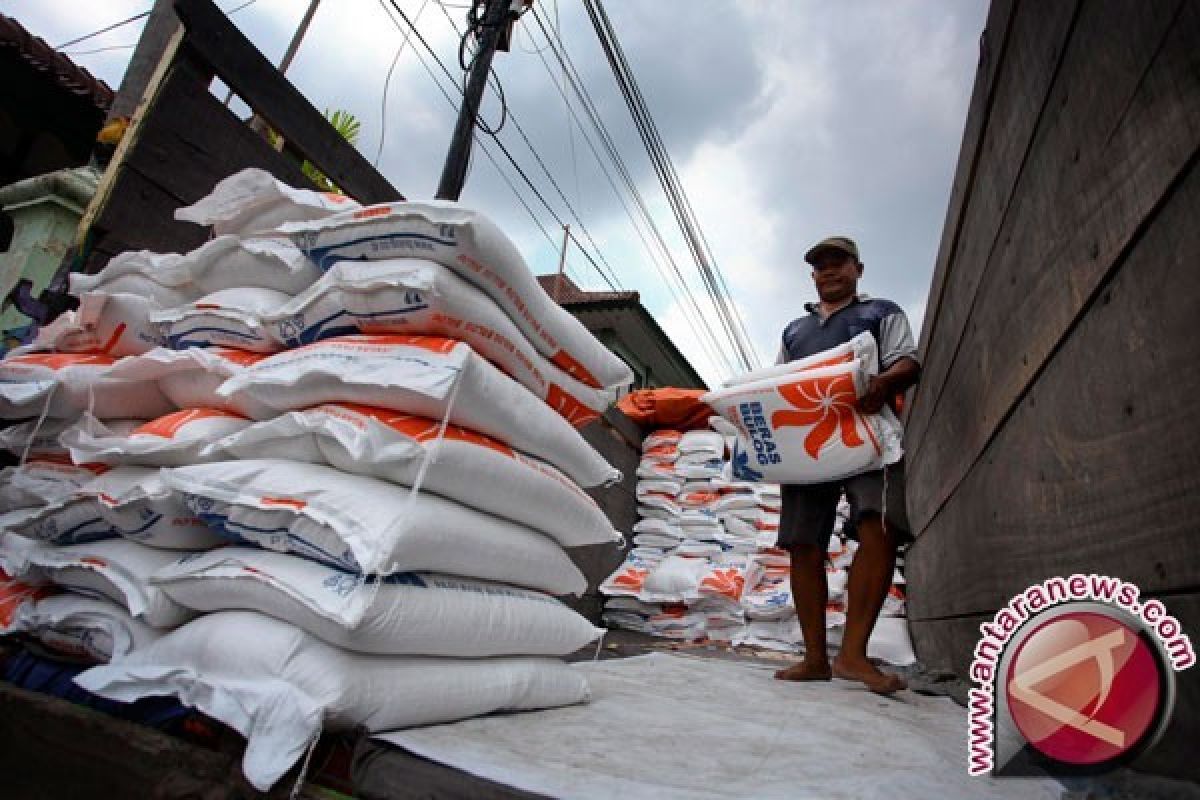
387 452
697 544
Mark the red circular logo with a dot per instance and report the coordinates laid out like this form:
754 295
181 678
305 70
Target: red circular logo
1084 688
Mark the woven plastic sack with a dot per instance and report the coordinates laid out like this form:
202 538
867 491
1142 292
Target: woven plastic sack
64 385
425 376
252 200
805 427
90 628
407 614
226 318
861 348
173 440
473 469
116 569
189 379
680 409
282 691
414 296
470 244
365 525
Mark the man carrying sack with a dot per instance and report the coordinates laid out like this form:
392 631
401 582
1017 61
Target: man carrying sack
809 511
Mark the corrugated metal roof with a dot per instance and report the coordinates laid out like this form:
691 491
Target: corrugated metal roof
59 69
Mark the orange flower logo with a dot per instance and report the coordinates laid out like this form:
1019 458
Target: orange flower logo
828 404
726 582
631 578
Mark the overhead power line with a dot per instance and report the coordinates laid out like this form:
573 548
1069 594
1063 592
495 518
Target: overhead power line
691 310
508 155
612 274
710 274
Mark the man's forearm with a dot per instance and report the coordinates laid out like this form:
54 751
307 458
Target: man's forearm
901 375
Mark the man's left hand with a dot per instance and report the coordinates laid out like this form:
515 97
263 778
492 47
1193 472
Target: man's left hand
873 399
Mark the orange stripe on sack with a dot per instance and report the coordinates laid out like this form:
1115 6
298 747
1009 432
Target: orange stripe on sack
571 409
563 360
60 360
283 501
112 340
373 211
166 427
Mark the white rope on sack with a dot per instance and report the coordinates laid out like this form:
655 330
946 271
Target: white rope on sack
37 426
304 767
428 457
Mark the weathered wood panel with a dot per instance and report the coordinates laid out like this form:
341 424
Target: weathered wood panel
216 41
1096 470
1051 434
1121 133
1031 55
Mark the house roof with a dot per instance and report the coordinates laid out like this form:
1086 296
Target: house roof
56 67
567 293
623 311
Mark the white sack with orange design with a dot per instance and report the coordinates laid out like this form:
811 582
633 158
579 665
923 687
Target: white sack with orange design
415 296
458 463
474 247
805 427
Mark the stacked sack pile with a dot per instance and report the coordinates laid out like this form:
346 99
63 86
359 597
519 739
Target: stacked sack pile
704 564
360 423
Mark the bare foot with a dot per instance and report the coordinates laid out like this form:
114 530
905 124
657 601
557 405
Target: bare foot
869 675
805 671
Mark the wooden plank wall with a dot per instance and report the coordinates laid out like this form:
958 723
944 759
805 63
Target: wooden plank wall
1052 431
185 140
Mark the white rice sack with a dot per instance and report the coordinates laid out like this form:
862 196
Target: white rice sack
190 378
701 446
139 506
650 469
282 691
17 599
64 385
629 578
365 525
117 569
415 296
253 200
861 348
425 376
407 614
227 318
174 440
111 322
131 502
471 245
805 427
41 482
663 437
84 627
473 469
661 487
33 441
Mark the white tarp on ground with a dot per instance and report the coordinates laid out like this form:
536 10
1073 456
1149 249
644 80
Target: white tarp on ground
679 726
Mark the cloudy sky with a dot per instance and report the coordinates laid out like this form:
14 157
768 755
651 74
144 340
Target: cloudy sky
787 121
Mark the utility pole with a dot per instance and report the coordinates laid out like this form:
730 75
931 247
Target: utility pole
562 263
454 173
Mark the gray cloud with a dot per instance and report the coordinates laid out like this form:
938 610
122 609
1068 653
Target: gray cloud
788 121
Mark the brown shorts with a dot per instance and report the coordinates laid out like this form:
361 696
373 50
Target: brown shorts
808 512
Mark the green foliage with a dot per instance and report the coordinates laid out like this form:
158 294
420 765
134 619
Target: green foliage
345 124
